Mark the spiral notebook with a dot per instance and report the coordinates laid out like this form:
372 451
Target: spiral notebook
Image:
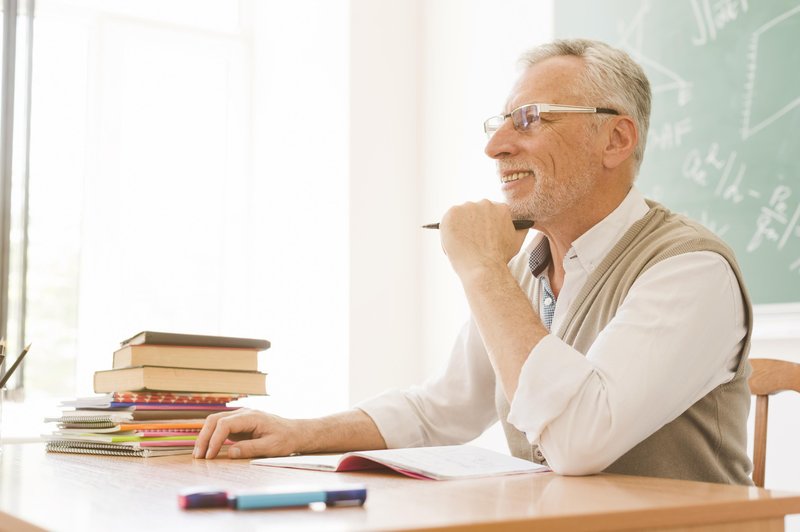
111 449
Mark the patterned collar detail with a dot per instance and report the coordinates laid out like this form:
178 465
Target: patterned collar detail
540 258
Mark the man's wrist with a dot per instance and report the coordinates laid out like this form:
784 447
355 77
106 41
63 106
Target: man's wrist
304 433
483 276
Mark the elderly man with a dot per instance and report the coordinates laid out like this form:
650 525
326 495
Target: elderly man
616 341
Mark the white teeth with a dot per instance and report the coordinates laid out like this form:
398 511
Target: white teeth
514 177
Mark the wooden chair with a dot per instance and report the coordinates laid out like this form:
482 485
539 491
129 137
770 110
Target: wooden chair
768 378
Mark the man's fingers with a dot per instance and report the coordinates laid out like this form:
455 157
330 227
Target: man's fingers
266 435
252 448
234 424
216 430
201 444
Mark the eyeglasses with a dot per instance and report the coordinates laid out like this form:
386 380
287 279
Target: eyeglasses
525 115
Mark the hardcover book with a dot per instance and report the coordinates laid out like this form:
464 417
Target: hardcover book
180 356
180 380
200 340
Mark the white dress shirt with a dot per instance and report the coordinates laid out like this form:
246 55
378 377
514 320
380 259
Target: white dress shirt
676 337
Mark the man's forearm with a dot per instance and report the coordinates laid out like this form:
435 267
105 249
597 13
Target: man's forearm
509 326
352 430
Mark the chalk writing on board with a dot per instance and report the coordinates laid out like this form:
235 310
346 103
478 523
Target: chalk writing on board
723 172
722 147
665 80
773 109
712 18
669 134
777 221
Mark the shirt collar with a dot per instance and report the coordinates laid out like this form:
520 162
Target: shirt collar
591 247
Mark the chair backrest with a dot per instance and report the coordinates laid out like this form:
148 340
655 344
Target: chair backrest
768 378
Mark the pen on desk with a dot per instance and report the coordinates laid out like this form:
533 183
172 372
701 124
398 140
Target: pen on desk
284 497
13 367
518 224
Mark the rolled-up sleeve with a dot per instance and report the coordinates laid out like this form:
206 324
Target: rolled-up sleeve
455 407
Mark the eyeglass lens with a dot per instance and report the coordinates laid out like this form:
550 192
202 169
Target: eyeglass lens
521 117
524 116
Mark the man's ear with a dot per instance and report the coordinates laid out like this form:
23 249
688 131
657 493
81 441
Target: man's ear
621 141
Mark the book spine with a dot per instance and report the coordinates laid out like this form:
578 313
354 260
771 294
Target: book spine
174 406
178 398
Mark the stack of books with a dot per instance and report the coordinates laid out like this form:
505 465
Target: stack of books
159 390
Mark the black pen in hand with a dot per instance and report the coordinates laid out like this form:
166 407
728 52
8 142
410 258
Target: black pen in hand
518 224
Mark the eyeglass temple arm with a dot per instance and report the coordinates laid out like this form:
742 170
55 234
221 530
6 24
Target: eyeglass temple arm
546 107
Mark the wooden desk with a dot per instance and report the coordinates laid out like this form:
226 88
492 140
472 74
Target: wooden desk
87 493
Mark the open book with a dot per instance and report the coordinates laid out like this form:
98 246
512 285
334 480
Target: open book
437 463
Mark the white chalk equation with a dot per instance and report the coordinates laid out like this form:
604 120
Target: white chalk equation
712 17
662 78
766 67
723 173
776 221
669 135
722 143
711 168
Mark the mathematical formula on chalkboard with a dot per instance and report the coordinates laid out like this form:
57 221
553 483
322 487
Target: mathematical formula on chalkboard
724 139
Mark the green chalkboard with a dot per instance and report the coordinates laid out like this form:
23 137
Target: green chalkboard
724 140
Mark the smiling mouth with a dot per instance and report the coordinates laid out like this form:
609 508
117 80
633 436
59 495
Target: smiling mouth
516 176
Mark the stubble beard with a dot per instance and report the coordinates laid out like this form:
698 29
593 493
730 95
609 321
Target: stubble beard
551 196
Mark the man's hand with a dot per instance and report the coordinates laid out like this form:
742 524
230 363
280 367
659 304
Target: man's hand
264 435
476 236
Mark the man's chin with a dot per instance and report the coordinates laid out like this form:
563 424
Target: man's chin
522 212
529 211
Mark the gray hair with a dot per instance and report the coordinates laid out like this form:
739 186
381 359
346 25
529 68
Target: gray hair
613 79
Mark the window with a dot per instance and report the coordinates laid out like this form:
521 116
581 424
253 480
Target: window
161 195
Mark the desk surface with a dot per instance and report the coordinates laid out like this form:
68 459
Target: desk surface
75 492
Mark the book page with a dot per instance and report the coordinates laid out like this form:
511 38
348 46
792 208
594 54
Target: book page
321 462
438 463
451 461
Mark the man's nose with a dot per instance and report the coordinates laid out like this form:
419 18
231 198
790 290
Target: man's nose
504 141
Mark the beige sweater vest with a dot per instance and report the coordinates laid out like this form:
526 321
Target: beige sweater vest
708 442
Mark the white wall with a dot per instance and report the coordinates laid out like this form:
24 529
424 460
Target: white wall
385 186
424 76
301 158
469 65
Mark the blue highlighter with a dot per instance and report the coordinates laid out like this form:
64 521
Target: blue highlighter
273 497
